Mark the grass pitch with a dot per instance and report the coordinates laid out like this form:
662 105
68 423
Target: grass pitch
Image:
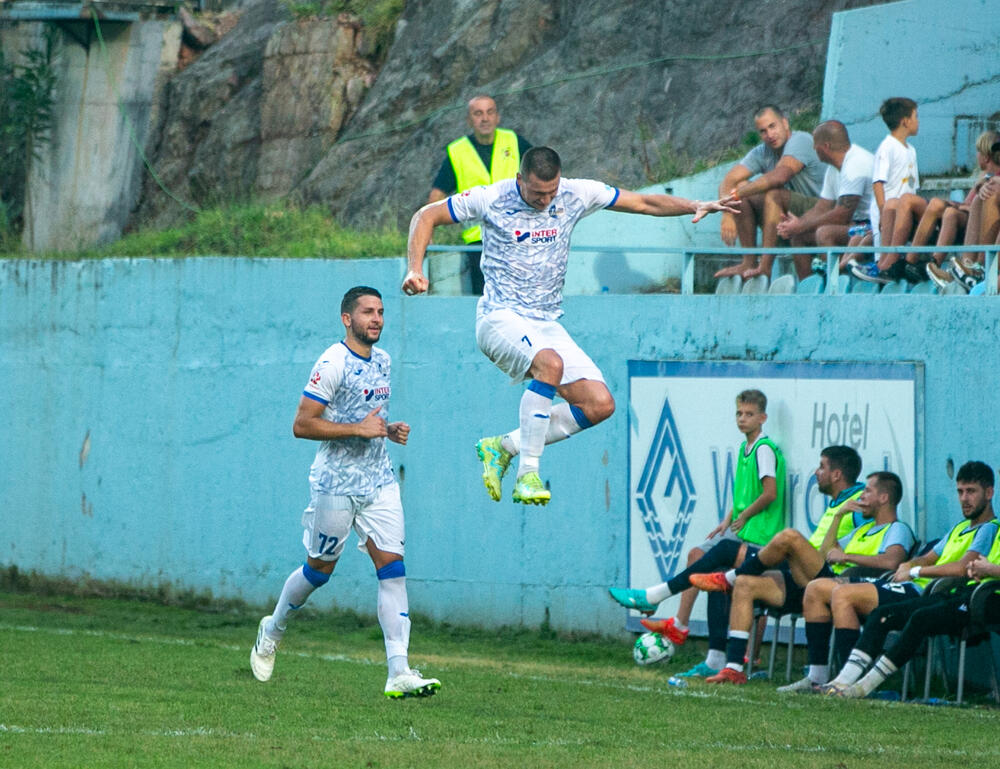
90 682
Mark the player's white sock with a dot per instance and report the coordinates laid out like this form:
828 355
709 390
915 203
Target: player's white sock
881 670
564 420
715 659
819 674
394 613
730 576
658 594
857 663
298 587
536 403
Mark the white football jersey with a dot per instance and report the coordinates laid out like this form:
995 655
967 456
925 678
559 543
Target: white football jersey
525 250
350 386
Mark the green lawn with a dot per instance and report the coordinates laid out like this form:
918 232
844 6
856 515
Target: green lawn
93 682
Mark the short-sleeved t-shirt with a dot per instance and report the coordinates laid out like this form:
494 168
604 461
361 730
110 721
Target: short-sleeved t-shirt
853 178
525 250
895 165
350 386
762 159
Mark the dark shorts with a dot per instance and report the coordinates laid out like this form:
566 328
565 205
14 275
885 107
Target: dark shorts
794 593
894 592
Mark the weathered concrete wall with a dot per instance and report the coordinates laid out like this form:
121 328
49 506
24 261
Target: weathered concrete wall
942 55
146 407
88 178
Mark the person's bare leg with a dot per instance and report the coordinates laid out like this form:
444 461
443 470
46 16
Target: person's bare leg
933 214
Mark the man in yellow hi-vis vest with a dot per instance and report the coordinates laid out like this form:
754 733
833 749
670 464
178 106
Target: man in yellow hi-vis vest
487 155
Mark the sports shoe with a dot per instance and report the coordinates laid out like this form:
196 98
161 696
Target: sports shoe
262 654
666 627
727 676
939 276
870 272
713 582
410 684
633 599
701 670
967 273
847 691
530 490
914 273
495 460
802 686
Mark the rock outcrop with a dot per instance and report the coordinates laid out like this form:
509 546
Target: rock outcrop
625 91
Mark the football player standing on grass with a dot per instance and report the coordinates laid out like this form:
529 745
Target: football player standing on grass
345 406
526 227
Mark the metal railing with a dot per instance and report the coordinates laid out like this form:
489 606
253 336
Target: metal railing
831 253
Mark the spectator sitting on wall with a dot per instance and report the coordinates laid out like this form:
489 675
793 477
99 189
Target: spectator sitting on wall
983 227
948 217
843 201
787 176
895 203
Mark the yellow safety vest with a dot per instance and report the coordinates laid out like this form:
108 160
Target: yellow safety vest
956 545
862 544
470 171
846 523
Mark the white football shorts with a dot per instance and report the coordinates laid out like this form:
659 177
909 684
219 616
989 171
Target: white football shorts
512 341
330 517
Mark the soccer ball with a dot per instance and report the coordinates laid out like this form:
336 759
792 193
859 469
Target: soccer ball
652 647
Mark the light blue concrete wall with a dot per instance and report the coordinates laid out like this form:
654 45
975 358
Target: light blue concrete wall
941 54
146 408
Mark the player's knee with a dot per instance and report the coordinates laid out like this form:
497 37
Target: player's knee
937 205
830 235
602 407
694 554
547 366
743 588
842 598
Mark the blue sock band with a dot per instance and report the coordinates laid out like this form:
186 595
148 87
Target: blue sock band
542 388
392 570
580 417
315 578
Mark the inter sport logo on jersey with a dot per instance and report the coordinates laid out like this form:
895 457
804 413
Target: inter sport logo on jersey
376 393
536 236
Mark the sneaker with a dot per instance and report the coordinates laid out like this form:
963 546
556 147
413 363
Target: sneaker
701 670
666 627
870 273
967 273
410 684
939 276
802 686
713 582
914 273
530 490
495 460
847 691
632 599
262 654
728 676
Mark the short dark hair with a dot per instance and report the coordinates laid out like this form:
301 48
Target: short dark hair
350 300
541 162
753 398
889 483
845 459
769 108
895 110
976 472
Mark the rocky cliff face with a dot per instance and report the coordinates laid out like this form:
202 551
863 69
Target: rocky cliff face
622 90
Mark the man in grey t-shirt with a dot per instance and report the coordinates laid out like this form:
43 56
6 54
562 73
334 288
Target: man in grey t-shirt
786 177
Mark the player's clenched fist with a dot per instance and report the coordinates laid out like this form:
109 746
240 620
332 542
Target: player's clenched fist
415 283
372 426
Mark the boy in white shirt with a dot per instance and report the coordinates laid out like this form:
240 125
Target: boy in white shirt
895 206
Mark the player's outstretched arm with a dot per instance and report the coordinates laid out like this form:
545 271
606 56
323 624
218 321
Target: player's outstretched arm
422 226
670 205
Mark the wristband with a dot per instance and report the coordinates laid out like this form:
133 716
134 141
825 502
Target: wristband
914 572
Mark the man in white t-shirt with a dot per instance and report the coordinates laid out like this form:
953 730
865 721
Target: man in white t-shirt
345 407
526 227
781 174
843 201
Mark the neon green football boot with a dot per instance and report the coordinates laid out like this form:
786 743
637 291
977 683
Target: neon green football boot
496 460
530 490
